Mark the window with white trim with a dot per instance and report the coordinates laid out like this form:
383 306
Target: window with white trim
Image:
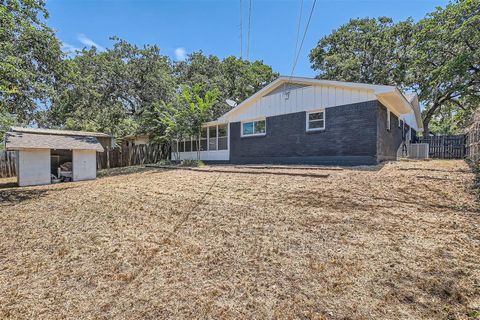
316 120
388 120
254 128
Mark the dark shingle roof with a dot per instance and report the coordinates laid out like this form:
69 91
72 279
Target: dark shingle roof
21 140
60 132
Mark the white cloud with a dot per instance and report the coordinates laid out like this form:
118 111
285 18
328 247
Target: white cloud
69 48
89 42
180 54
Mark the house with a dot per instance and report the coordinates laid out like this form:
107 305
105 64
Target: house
135 140
45 155
310 121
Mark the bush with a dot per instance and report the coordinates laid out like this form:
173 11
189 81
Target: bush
165 162
192 163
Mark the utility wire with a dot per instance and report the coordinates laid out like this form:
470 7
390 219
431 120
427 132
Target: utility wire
241 31
303 38
248 36
298 33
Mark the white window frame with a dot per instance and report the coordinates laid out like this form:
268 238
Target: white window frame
253 134
307 122
389 122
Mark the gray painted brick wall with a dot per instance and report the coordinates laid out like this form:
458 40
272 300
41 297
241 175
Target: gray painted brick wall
388 141
349 138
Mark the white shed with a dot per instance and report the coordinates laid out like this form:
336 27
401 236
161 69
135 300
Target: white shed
44 155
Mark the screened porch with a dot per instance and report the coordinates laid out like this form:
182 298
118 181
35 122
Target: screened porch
213 145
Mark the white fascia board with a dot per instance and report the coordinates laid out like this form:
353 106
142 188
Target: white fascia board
214 123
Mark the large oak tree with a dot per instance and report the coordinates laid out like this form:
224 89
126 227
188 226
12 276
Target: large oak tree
438 57
30 58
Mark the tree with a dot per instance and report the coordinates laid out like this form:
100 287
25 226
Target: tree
30 58
185 119
236 79
244 78
6 121
196 110
108 91
445 59
365 50
438 57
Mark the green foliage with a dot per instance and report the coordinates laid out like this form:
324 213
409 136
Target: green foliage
6 121
185 118
236 79
128 90
364 50
438 57
30 57
192 163
108 91
445 59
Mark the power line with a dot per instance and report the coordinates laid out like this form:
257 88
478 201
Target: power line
241 31
303 38
248 36
298 32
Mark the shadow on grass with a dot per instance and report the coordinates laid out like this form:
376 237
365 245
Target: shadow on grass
18 195
8 185
433 170
122 171
12 195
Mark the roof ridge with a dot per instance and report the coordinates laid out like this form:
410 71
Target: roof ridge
59 132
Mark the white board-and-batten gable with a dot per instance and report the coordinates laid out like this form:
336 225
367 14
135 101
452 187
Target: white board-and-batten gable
290 95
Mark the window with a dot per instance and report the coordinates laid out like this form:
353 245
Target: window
222 137
253 128
388 120
316 120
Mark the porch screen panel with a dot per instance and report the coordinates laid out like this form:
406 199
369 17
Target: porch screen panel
212 138
203 139
223 137
188 145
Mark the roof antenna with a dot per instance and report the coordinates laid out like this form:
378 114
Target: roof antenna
231 103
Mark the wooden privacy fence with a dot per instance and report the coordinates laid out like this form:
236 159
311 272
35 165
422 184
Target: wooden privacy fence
473 140
132 155
7 164
446 147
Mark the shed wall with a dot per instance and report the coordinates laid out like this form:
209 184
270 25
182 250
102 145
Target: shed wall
84 165
33 167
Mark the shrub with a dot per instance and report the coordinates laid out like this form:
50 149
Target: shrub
192 163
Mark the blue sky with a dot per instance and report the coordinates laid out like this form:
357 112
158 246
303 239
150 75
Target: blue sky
183 26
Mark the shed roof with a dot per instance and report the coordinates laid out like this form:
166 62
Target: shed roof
60 132
21 140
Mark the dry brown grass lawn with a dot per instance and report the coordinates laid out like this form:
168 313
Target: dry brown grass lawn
400 241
